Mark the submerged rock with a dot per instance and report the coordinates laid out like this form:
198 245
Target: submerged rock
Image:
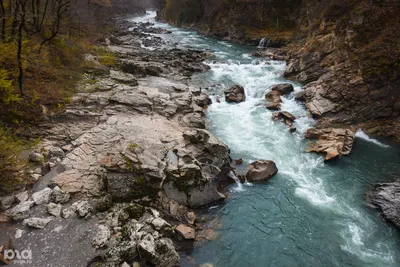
333 142
235 94
261 170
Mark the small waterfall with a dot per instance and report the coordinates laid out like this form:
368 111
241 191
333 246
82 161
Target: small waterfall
262 43
236 179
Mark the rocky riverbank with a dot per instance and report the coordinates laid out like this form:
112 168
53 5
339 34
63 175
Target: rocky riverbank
122 168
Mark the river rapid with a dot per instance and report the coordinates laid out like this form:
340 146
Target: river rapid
310 213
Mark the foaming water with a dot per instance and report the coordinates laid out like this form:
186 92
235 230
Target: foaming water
310 213
362 135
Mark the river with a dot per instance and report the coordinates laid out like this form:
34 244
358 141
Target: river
310 213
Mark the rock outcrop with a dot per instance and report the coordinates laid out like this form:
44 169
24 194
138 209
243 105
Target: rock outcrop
333 142
386 197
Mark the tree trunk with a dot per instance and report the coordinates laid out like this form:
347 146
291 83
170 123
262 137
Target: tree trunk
3 20
21 25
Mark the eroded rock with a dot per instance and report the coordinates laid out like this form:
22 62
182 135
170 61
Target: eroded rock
333 142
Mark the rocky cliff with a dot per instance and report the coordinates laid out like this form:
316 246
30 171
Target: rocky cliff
346 53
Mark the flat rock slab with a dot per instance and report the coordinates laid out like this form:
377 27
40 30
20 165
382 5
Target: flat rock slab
333 142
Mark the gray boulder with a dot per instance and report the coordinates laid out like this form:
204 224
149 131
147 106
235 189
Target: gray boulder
56 152
21 211
54 209
37 223
60 196
42 197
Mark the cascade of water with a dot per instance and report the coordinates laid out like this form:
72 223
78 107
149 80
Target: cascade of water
237 180
262 43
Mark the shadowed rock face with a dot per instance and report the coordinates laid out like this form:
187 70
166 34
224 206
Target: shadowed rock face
347 59
386 197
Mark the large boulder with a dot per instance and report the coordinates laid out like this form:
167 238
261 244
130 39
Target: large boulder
261 170
235 94
333 142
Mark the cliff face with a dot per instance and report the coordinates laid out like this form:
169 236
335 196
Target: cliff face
345 52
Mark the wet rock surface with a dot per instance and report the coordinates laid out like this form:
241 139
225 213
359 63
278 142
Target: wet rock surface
332 142
261 170
235 94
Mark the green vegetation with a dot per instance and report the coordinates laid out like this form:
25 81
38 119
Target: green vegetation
42 58
10 162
